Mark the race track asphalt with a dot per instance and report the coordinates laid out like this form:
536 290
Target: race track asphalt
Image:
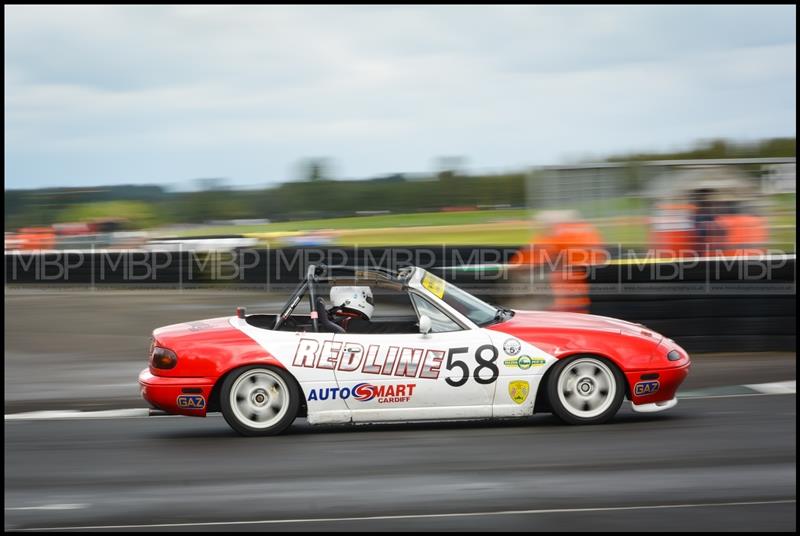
708 464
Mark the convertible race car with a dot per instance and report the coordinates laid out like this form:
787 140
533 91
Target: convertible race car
442 354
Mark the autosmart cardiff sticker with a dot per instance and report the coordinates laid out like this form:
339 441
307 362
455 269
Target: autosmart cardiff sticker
524 362
645 388
191 402
518 391
512 347
364 392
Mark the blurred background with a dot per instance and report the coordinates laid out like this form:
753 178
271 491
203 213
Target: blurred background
169 163
722 194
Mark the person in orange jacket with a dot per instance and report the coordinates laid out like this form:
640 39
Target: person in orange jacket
742 233
567 247
707 227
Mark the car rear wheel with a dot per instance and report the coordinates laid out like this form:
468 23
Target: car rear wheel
259 401
585 390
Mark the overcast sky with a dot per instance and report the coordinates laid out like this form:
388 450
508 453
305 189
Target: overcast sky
103 95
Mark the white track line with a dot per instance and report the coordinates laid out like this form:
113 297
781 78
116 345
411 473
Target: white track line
74 414
419 516
75 506
775 388
739 395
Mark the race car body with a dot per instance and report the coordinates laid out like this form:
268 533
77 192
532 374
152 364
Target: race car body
451 357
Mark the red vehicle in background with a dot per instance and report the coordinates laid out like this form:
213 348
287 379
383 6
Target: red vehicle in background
98 233
30 238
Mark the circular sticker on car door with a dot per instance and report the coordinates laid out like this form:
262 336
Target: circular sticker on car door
512 347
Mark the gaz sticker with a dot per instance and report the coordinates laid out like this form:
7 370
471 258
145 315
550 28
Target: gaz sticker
191 402
645 388
434 284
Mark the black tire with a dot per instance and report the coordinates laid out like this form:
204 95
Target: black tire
605 410
235 416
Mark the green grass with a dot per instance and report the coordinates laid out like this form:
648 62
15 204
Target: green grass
784 202
139 213
609 207
485 227
370 222
437 237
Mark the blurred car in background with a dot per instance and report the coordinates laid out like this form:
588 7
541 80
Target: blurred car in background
33 238
96 233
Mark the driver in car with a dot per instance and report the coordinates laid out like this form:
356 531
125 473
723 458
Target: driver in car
351 308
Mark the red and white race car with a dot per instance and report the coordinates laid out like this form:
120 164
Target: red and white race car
450 356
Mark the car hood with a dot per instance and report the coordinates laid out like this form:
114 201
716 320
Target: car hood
549 320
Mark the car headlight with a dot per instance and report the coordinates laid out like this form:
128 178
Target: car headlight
674 355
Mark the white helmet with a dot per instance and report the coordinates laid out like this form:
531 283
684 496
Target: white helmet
353 299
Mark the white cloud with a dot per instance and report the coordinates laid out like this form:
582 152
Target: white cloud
100 94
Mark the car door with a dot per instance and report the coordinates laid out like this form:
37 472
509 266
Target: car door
449 373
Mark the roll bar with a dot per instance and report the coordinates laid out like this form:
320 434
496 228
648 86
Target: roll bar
322 273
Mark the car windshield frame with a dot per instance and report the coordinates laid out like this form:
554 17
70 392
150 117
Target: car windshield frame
468 305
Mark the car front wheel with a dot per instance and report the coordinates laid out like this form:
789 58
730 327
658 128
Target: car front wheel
259 401
585 390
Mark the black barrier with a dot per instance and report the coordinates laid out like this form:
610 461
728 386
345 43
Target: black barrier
243 266
711 323
725 304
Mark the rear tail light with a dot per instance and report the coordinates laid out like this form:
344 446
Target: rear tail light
162 358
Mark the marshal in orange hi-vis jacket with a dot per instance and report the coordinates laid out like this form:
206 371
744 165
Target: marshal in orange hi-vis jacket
567 248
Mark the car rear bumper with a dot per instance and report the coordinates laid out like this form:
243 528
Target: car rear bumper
180 396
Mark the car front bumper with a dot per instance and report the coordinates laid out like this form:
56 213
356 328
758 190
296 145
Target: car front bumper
654 407
656 386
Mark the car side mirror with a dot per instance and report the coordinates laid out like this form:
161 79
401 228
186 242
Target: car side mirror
424 324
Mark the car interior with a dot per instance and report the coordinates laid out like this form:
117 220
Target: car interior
394 313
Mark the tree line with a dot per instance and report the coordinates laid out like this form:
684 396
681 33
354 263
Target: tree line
316 195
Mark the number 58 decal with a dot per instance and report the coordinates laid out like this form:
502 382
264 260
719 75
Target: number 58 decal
484 363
